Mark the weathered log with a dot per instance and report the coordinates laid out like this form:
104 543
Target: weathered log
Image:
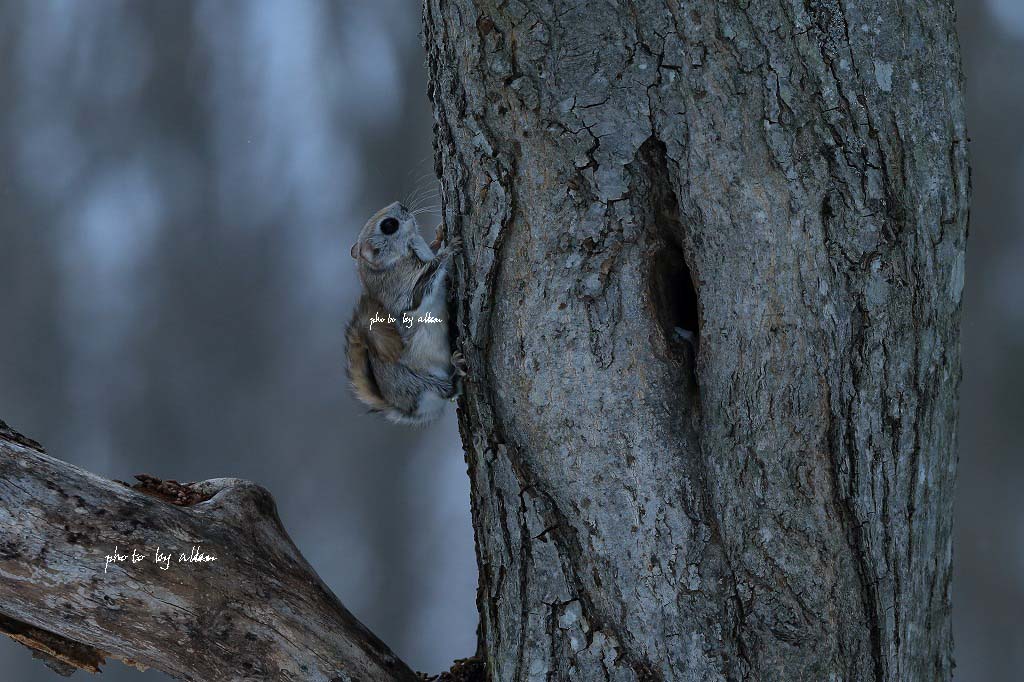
256 612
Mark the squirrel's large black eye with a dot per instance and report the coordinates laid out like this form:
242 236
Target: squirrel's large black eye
389 226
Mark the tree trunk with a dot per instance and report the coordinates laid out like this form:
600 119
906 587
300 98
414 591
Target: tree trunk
788 179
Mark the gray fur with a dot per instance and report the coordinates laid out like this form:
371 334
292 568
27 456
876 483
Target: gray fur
402 273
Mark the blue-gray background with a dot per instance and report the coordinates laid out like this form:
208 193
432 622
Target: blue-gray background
179 186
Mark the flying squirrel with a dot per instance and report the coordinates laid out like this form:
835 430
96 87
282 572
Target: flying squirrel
400 361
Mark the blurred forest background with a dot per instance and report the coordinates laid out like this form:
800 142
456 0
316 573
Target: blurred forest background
180 183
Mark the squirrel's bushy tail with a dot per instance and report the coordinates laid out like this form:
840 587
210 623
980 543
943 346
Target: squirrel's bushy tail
360 373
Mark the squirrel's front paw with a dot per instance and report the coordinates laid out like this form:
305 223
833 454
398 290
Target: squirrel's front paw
459 365
453 245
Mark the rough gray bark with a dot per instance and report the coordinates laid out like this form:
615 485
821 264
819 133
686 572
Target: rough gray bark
258 613
776 505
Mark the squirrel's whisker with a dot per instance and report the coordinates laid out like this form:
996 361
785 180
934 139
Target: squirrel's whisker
429 197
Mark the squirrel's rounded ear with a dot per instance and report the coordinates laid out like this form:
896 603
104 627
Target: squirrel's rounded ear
355 250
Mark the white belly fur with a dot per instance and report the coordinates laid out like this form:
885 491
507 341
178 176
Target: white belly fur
427 346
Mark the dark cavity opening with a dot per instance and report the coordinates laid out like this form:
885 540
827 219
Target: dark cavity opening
674 297
671 285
